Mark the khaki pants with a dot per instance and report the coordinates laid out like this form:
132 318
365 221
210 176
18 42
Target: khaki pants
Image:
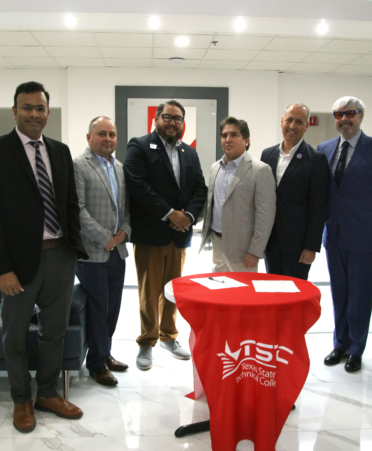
156 266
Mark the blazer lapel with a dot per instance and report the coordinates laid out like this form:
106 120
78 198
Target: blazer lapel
121 188
272 160
358 154
243 167
155 140
297 159
96 165
54 165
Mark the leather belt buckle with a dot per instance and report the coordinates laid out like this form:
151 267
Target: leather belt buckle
51 244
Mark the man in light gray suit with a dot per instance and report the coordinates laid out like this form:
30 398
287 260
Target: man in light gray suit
240 208
104 218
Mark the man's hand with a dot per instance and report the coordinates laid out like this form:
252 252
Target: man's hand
111 244
119 236
179 221
250 261
9 284
307 257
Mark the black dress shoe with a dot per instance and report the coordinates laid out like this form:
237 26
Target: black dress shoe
115 365
353 364
334 357
103 376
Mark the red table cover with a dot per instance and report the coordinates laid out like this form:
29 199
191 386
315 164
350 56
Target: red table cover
250 353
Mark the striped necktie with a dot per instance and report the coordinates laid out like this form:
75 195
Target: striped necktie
46 190
341 164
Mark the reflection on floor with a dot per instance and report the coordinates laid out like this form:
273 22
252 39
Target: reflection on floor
334 410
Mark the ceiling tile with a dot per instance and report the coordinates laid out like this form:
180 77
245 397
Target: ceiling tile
230 55
124 39
348 46
355 70
197 41
167 63
314 68
297 44
125 52
268 65
363 60
335 58
12 50
121 62
241 42
17 38
288 57
65 38
178 52
73 52
4 63
80 62
210 64
32 62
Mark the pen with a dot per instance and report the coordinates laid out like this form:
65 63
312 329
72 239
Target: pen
215 280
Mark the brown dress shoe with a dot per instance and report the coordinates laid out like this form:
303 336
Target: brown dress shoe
115 365
59 406
23 417
103 376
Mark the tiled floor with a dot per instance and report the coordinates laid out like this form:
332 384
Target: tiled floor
334 410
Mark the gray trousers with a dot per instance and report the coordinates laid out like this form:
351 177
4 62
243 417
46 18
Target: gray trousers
51 291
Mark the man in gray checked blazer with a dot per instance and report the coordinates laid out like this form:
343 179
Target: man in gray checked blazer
240 208
104 218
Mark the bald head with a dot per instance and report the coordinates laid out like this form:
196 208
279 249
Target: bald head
102 136
97 119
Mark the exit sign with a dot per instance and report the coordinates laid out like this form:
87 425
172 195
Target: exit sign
314 121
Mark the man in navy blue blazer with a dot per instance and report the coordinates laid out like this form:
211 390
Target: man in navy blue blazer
167 193
347 235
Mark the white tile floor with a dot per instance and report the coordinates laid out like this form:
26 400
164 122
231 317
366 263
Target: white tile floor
334 410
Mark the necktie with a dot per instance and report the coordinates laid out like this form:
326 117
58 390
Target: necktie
340 167
46 190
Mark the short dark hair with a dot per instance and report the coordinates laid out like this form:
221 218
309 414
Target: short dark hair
29 88
170 102
240 123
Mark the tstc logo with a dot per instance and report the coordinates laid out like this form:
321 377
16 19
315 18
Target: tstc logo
264 354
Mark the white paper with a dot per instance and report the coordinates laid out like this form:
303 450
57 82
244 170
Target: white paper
275 286
219 282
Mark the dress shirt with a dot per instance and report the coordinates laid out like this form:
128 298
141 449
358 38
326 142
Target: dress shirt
224 178
352 144
284 160
108 167
31 155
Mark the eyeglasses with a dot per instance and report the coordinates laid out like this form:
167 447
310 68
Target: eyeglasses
349 114
29 108
168 118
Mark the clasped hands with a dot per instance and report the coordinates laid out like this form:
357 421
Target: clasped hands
116 239
179 221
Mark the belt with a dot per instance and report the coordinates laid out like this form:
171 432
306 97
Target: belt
218 234
51 244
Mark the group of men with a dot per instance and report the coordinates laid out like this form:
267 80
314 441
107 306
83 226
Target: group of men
54 211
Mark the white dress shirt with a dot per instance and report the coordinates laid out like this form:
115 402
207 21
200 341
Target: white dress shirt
30 152
350 150
284 160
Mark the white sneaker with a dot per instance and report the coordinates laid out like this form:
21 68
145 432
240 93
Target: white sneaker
144 358
174 348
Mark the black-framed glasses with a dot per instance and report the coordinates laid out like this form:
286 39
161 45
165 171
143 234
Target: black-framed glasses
349 114
168 118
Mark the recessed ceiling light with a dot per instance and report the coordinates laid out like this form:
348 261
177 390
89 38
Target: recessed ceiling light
240 24
154 23
70 21
176 60
322 28
182 41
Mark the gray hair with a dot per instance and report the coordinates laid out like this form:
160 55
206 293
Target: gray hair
348 101
93 122
302 105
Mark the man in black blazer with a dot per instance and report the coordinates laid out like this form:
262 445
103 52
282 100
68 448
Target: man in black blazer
301 175
167 192
39 244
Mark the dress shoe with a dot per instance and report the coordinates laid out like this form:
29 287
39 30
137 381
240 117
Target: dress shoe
334 357
353 364
103 376
144 358
115 365
174 348
23 417
59 406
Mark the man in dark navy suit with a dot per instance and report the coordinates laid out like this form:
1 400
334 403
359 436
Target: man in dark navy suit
301 175
347 235
167 193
